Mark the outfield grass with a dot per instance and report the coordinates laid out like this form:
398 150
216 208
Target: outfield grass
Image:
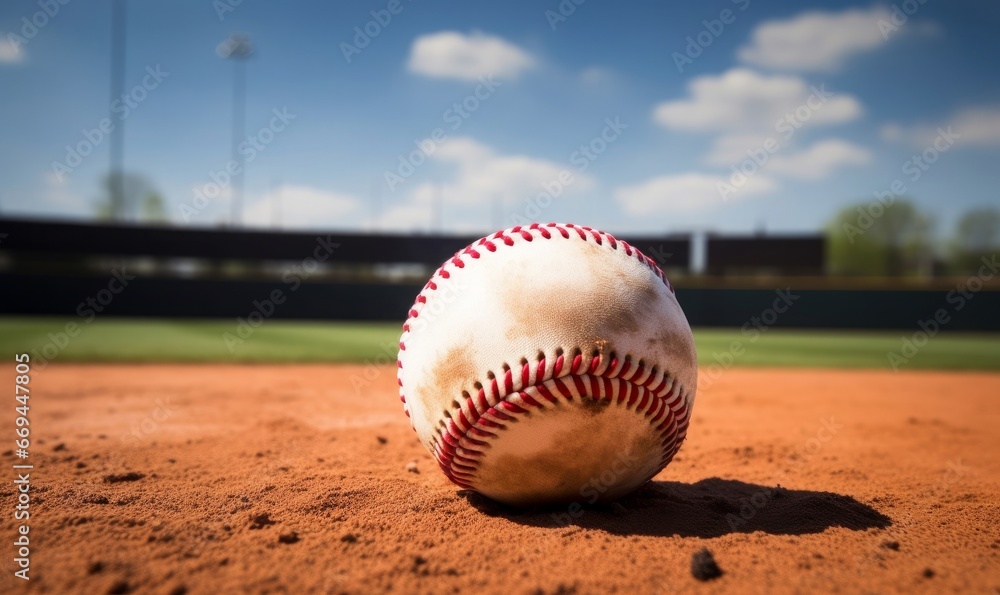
148 340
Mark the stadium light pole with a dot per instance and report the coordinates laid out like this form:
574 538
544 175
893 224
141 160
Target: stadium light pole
117 141
237 48
376 202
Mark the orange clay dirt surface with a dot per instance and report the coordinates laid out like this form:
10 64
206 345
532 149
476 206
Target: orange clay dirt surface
226 479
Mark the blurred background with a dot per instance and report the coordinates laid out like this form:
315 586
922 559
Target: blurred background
185 180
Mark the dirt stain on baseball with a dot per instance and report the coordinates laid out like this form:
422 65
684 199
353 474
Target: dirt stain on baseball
562 470
599 305
452 374
594 405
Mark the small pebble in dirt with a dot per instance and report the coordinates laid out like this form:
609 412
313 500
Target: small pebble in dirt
288 537
349 538
891 545
81 465
120 588
382 439
412 467
179 590
120 477
260 521
95 567
703 566
928 573
59 447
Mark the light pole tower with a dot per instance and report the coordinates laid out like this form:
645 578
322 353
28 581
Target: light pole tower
237 48
116 173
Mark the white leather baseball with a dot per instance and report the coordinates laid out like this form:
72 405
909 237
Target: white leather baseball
548 363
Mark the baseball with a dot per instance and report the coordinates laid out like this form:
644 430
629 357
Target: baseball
548 363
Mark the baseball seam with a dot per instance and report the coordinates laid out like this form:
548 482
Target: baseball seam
464 438
541 385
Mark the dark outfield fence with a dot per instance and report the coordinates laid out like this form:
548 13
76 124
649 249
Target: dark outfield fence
803 308
71 239
789 255
27 292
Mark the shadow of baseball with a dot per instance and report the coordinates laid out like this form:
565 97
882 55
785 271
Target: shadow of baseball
709 508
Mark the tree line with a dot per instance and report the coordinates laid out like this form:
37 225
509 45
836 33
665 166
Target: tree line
896 239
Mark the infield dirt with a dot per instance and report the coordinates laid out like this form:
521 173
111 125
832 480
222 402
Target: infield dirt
216 479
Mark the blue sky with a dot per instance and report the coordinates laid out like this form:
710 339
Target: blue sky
866 92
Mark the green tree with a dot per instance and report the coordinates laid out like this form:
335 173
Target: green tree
872 239
152 209
977 234
138 198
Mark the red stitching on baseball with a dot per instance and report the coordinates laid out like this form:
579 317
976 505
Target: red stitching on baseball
460 447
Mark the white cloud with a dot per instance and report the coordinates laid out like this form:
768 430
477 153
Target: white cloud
743 100
450 54
686 192
819 160
481 177
815 41
405 217
9 53
301 207
891 132
976 126
748 108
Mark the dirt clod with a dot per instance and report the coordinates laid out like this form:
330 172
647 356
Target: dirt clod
703 566
121 477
